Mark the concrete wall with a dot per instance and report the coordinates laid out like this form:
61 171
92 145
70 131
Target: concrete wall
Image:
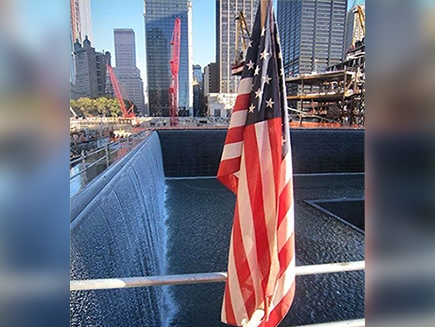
197 153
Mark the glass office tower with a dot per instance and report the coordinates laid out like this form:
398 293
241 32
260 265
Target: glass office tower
159 24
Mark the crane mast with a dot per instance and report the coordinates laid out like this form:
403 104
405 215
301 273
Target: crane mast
358 11
126 113
174 64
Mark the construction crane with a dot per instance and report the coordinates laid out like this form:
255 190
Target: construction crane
126 113
362 19
174 63
242 33
359 12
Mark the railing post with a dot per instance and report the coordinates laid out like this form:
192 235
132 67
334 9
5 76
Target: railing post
84 165
107 155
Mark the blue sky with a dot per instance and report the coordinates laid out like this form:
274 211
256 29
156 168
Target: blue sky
110 14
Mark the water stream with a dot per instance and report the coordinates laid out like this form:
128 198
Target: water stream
121 232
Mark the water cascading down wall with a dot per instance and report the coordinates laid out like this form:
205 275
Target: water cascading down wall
118 230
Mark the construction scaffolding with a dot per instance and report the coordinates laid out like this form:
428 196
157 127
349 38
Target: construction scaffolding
336 95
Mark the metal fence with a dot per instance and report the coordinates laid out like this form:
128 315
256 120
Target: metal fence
146 281
87 159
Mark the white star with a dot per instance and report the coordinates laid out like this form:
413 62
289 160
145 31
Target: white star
258 93
281 72
267 79
263 31
264 54
250 64
251 108
269 103
250 44
280 55
283 140
257 69
278 39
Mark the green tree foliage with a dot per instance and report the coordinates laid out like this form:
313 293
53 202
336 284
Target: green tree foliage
107 107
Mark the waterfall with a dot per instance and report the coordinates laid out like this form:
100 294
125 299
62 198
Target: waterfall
119 230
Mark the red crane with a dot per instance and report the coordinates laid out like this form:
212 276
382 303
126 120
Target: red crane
174 63
126 113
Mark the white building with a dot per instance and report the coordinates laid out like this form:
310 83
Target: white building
220 104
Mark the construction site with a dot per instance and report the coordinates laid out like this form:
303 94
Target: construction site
337 94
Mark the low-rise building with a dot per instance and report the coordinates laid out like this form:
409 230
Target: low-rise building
220 104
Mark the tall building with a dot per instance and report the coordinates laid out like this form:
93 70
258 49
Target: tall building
226 12
199 108
80 27
126 72
354 31
81 20
125 47
90 70
211 80
159 24
311 33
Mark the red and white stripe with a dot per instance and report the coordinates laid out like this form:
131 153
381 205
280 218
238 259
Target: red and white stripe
261 261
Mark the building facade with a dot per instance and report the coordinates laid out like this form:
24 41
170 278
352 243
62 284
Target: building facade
80 27
226 12
199 108
159 18
220 105
354 31
197 73
211 79
91 70
311 33
126 72
81 20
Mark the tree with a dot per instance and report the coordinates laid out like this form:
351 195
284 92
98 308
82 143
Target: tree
107 107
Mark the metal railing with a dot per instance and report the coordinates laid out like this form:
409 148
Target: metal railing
129 282
215 277
108 149
84 156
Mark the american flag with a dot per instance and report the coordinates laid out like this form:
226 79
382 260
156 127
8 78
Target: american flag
256 166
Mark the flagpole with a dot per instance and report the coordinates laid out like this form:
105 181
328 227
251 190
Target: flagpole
264 4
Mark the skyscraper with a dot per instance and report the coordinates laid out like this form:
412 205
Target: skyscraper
81 21
126 71
159 24
81 26
125 47
226 12
311 33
